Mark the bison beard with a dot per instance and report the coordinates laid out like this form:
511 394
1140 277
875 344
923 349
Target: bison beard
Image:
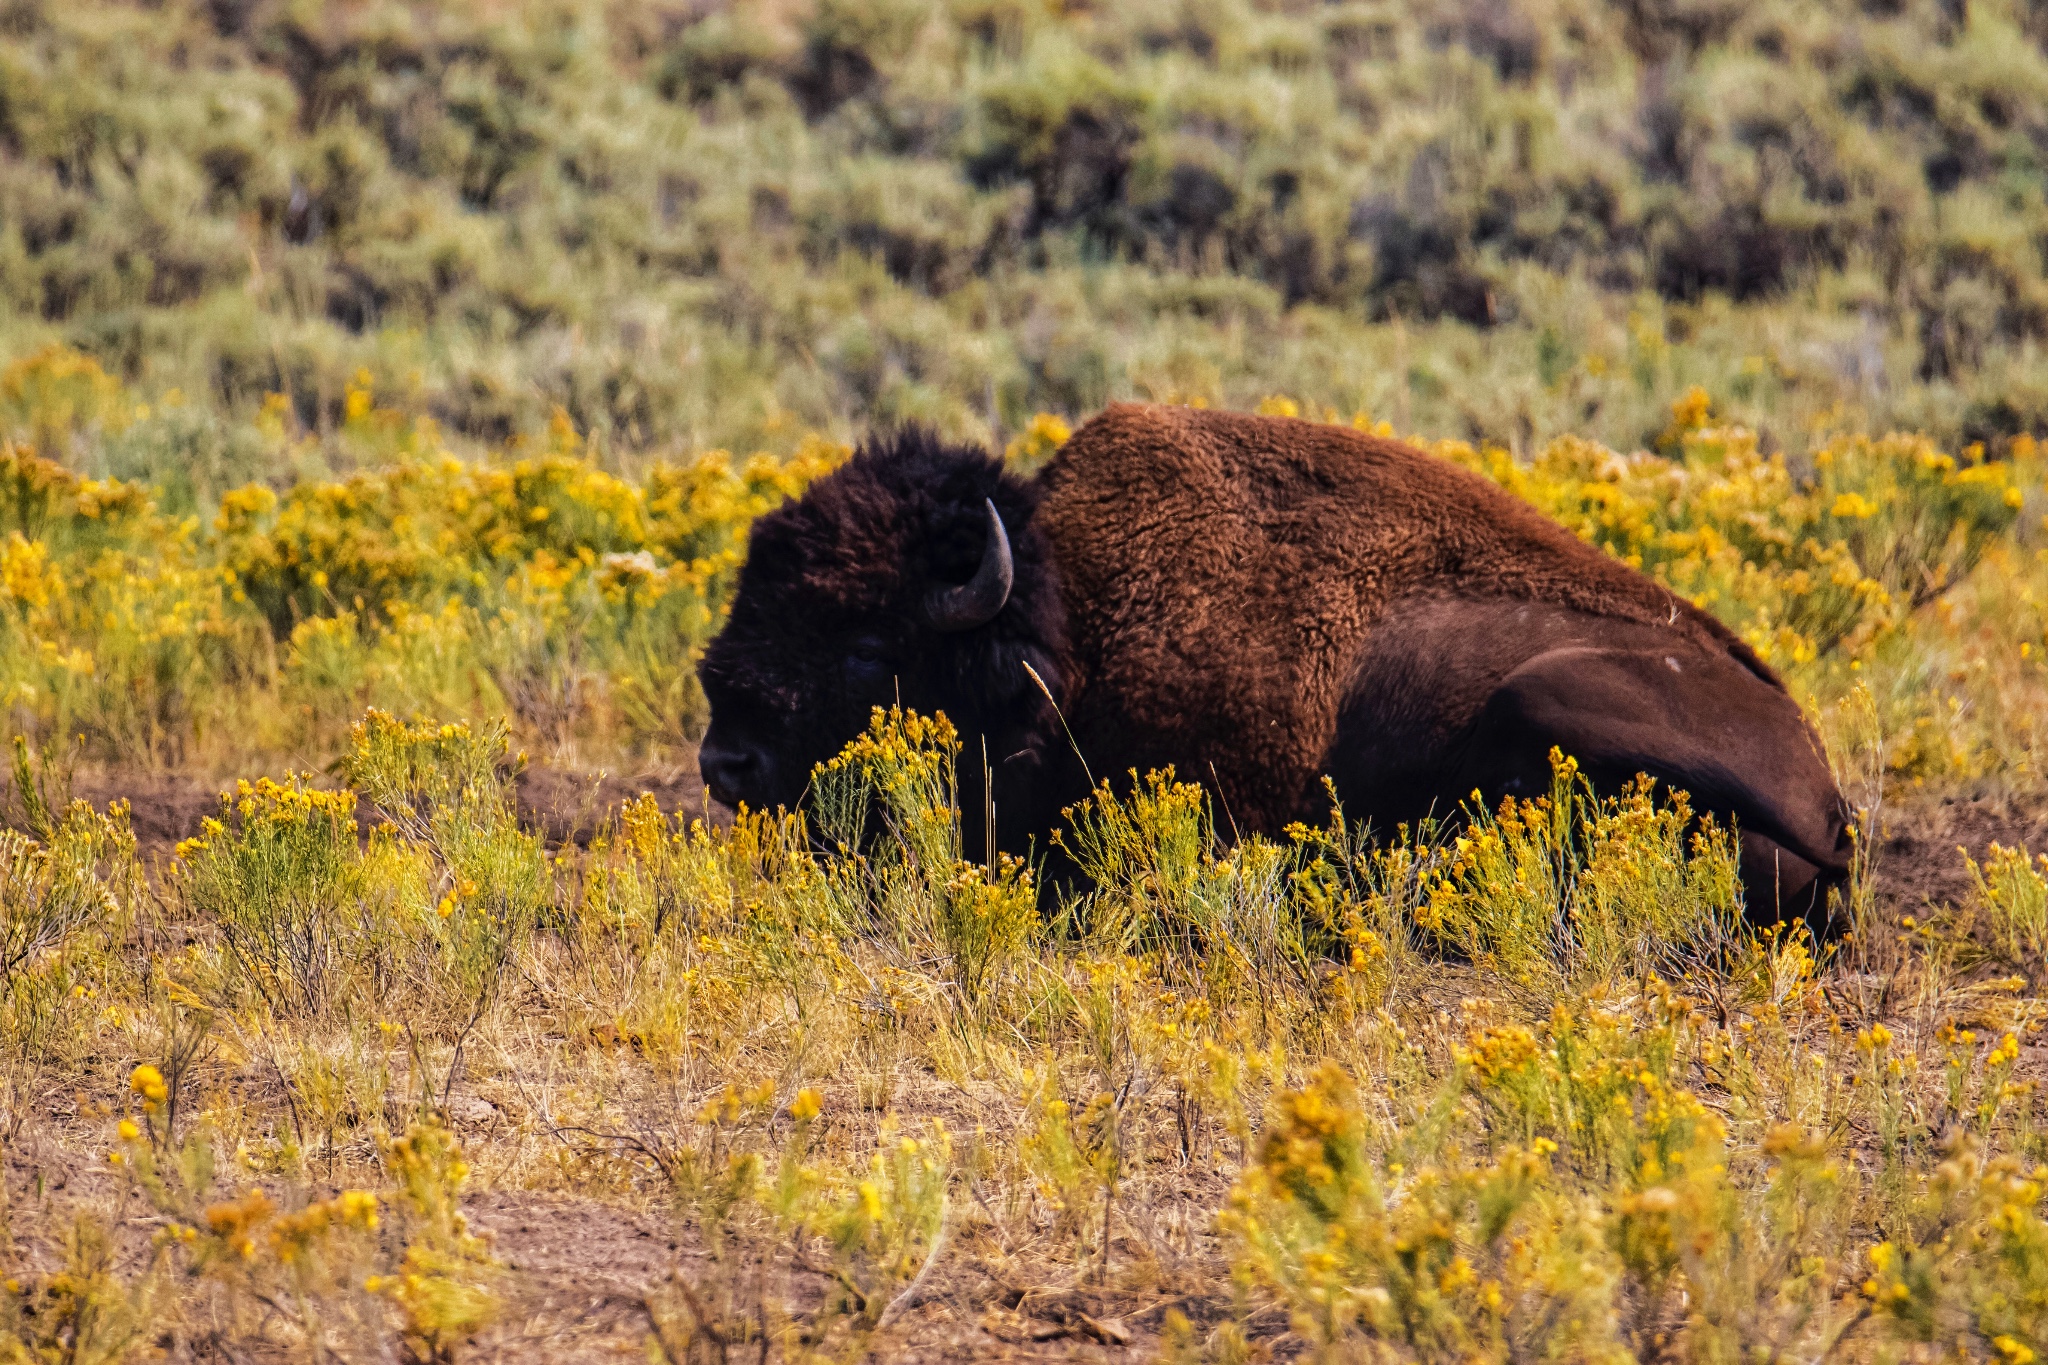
1256 602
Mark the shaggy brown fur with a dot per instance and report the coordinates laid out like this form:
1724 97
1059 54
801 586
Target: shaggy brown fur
1223 572
1255 602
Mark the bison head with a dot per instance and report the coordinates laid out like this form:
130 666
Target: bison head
911 575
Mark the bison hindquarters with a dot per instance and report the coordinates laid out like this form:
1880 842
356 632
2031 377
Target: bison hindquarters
1458 696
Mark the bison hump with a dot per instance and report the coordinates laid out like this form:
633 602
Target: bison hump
1222 572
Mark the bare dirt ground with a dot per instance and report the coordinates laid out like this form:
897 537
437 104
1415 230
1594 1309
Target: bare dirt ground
584 1276
581 1273
1920 844
582 1279
566 804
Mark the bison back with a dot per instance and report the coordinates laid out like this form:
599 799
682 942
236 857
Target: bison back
1222 574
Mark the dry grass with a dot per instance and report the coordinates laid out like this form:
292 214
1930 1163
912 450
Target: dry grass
704 1092
371 1066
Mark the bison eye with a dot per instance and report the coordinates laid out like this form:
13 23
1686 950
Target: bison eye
866 661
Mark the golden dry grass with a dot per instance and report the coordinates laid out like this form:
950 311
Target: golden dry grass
369 1067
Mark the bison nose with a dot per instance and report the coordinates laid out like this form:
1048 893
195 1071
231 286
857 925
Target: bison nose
732 772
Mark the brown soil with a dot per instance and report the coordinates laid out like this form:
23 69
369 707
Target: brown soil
582 1279
1920 844
567 805
580 1276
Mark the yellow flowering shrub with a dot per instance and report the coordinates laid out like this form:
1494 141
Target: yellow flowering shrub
1582 886
538 583
357 1270
1471 1257
56 391
442 1287
1565 1192
894 790
889 1227
1154 853
279 870
1799 565
1970 1258
25 576
2012 897
1038 442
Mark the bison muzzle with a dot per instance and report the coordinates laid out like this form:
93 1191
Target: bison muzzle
1257 603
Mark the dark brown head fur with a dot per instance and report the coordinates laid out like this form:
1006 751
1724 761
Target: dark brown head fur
828 620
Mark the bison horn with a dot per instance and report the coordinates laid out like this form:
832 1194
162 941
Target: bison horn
976 603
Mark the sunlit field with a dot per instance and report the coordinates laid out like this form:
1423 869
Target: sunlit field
387 388
370 1064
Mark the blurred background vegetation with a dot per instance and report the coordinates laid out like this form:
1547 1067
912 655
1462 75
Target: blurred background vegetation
691 225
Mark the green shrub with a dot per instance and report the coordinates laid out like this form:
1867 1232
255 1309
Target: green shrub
281 873
902 775
1586 888
723 227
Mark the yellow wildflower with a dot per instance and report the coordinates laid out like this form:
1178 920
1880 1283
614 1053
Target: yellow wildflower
148 1082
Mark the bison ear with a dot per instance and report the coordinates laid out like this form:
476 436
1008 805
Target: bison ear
975 603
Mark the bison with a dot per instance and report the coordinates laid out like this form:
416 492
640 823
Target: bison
1258 603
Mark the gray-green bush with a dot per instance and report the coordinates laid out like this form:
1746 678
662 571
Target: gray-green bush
695 224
